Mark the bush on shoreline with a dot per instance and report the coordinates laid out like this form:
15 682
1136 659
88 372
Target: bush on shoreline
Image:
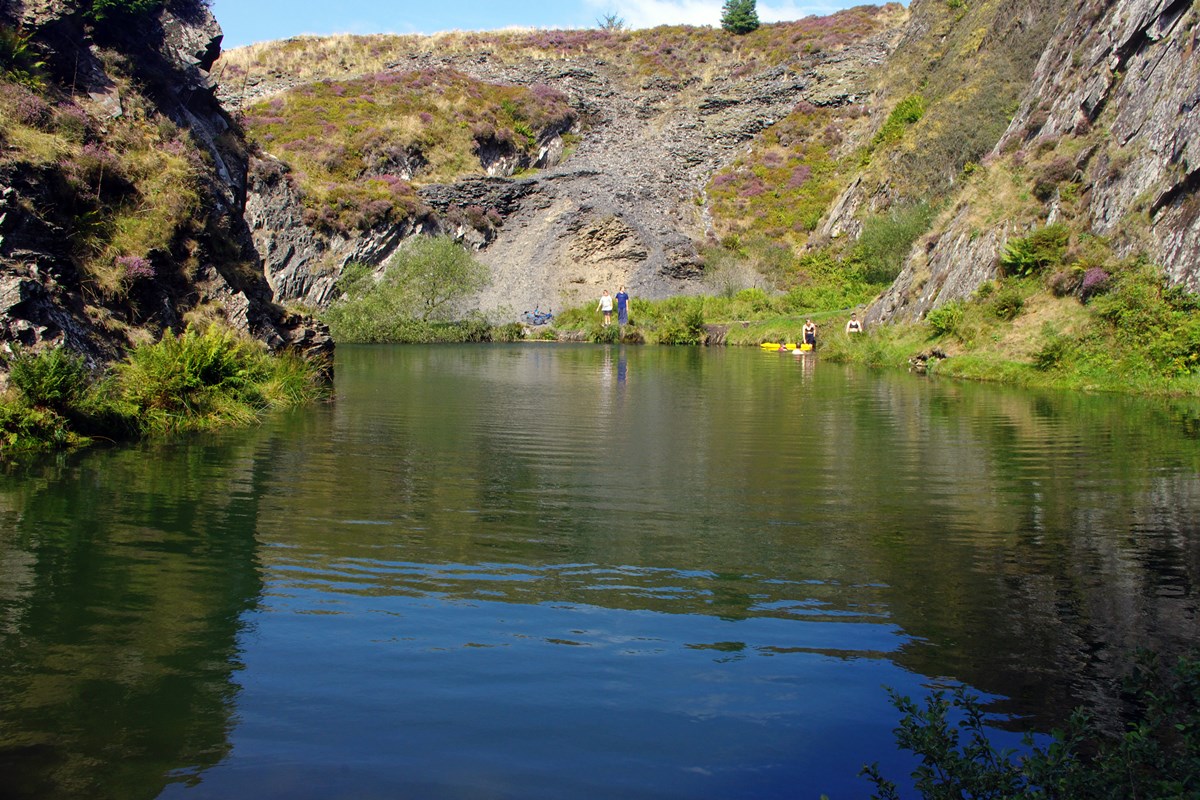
1156 755
187 382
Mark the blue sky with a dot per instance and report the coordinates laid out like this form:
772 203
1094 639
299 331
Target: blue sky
248 21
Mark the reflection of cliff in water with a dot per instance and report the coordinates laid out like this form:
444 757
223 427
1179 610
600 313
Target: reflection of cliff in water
1083 547
1025 541
123 577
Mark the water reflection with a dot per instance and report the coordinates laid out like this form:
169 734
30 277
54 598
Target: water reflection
124 577
518 567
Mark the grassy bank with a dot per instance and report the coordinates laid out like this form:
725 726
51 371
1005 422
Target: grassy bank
1125 331
1122 331
190 382
1137 336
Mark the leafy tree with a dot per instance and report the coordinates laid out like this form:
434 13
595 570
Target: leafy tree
739 16
432 273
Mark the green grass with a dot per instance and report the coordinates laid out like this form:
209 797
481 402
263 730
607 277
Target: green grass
1137 337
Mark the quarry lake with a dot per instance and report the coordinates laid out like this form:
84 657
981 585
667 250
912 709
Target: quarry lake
552 571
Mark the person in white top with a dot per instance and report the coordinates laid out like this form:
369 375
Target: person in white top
606 306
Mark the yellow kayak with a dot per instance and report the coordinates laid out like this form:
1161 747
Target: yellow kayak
774 346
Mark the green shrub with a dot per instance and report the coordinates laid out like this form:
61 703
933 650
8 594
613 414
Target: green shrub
1046 247
473 329
907 112
1065 281
197 380
1007 303
509 332
681 321
104 9
886 240
1157 755
945 320
18 59
25 428
190 375
604 334
1056 351
54 378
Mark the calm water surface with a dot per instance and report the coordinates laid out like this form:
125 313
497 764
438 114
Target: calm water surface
553 571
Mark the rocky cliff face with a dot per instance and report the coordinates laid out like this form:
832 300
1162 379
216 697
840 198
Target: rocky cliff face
1115 93
626 206
99 74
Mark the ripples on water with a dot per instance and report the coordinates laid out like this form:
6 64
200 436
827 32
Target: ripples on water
539 571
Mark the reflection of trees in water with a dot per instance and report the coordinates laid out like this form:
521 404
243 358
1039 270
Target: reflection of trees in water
125 576
1083 548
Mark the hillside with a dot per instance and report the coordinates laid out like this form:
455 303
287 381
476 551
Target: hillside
913 145
899 159
655 114
1103 143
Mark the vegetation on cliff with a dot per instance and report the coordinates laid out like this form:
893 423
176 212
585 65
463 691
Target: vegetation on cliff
1126 330
117 179
671 53
357 147
126 192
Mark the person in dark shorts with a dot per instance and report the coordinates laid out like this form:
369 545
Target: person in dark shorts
810 333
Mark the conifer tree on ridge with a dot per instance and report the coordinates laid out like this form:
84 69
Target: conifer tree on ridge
739 16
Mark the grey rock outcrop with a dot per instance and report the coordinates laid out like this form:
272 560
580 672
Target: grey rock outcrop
1129 69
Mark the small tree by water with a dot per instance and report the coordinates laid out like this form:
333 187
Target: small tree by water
433 272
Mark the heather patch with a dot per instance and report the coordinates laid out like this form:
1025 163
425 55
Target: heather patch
668 52
358 147
121 193
781 188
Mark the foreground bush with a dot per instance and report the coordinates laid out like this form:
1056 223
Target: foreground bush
1157 755
193 381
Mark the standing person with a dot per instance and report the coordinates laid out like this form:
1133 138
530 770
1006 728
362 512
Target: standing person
622 307
606 306
810 333
853 326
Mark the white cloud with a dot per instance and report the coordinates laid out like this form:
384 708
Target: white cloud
780 12
649 13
